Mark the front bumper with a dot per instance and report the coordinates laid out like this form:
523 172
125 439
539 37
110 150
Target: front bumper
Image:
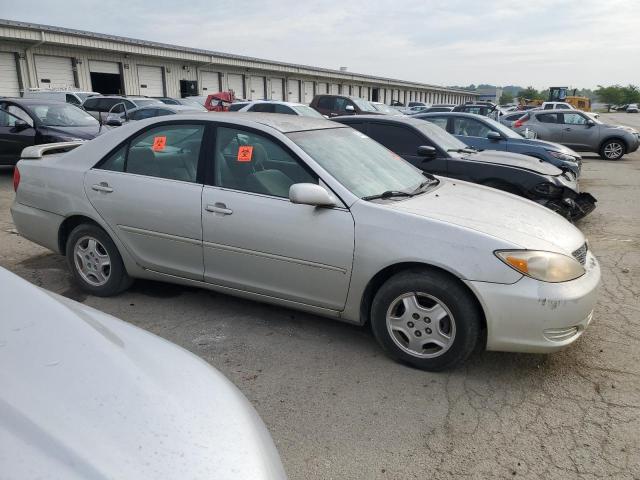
538 317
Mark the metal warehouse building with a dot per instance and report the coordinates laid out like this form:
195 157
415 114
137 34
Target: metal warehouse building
40 56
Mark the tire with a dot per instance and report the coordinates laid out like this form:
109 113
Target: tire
416 307
613 149
95 263
505 187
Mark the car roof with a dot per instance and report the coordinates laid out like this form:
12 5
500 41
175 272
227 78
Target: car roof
278 102
409 120
554 110
281 122
450 114
33 101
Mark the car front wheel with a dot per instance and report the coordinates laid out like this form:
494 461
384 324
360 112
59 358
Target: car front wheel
427 319
613 150
95 262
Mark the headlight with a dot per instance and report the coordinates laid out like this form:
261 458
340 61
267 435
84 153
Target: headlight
562 156
548 189
545 266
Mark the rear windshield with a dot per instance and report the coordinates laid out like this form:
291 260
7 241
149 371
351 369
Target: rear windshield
62 115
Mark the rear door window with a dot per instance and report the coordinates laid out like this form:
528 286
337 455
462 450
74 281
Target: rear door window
439 121
326 103
72 99
169 151
469 127
548 118
397 138
284 109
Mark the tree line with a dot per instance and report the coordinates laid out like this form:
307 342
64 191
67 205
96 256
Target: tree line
618 95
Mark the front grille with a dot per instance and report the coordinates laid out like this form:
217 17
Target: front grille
581 254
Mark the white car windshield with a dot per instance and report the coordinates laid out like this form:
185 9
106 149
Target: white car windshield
62 115
362 165
306 111
364 105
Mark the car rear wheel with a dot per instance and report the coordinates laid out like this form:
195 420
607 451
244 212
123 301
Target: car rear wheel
426 318
95 262
613 149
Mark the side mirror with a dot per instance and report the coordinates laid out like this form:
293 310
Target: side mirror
590 123
495 136
427 152
21 125
113 121
311 194
350 109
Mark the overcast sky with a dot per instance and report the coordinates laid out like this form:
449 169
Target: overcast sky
579 43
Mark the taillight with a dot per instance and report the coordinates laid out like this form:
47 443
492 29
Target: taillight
521 121
16 179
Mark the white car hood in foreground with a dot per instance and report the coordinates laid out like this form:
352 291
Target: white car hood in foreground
508 217
86 396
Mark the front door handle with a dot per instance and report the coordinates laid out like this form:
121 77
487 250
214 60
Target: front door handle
218 207
102 187
567 129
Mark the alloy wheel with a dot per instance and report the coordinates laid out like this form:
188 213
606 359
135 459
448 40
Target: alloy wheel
613 150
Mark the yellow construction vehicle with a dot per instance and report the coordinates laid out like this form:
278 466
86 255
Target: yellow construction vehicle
559 94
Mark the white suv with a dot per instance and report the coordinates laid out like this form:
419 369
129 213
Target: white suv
75 97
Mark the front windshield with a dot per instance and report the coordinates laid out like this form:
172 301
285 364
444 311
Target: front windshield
440 137
381 107
364 105
362 165
306 111
145 102
63 115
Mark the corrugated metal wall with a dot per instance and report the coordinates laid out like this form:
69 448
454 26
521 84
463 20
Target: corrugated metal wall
183 66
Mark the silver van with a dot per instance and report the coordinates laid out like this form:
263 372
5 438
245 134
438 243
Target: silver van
75 97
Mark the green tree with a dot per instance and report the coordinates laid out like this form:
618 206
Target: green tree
529 93
612 95
630 94
505 98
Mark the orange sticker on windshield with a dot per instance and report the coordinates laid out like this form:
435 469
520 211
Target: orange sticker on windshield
245 152
159 143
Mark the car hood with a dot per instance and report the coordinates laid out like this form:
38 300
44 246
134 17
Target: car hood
619 127
514 160
85 395
508 217
556 147
84 133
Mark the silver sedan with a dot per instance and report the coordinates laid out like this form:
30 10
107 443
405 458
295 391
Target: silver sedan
313 215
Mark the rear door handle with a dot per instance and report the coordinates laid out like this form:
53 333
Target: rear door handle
102 187
218 207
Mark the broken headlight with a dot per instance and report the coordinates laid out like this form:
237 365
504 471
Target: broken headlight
547 189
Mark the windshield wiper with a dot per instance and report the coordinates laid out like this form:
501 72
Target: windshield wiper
462 150
388 194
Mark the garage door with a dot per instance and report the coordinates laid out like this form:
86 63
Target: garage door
235 83
293 89
365 93
9 86
334 89
257 89
98 66
210 82
307 90
150 81
54 72
277 92
321 88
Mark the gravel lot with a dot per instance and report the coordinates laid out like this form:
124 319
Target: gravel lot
339 409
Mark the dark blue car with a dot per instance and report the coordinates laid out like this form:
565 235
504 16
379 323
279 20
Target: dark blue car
483 133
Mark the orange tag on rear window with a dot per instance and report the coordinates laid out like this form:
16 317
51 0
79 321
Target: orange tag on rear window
159 143
245 152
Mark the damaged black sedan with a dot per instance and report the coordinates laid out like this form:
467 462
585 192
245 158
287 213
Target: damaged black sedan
436 151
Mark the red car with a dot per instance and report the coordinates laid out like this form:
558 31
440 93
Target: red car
219 102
